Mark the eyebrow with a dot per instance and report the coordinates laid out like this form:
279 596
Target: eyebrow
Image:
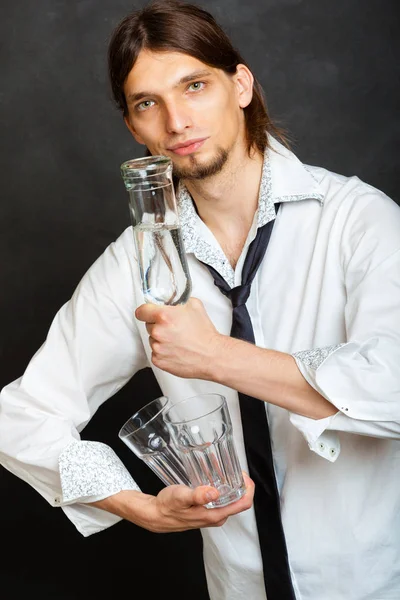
186 79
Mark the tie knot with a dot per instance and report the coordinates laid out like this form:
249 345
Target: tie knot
239 294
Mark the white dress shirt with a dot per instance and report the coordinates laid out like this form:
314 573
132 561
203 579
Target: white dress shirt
327 292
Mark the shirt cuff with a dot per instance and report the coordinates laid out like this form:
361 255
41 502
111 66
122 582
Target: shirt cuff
89 519
91 471
316 356
360 378
324 443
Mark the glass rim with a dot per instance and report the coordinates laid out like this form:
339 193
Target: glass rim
121 435
139 166
176 422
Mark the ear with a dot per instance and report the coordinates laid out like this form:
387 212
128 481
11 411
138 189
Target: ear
133 132
244 85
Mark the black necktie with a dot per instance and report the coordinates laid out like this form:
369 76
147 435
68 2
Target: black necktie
278 584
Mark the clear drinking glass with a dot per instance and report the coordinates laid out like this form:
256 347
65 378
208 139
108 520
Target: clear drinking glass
160 250
148 436
201 429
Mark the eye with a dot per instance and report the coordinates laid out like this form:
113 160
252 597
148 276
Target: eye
144 105
196 86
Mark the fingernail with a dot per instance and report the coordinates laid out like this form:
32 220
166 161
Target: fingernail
212 495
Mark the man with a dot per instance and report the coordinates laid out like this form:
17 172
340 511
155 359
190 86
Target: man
324 308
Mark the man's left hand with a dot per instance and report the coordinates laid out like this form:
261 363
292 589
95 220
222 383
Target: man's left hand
183 339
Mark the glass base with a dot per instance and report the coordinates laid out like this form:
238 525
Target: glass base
227 496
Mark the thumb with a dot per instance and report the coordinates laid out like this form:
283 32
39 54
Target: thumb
204 494
185 497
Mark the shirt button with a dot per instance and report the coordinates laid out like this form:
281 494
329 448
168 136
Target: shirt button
333 451
57 500
321 446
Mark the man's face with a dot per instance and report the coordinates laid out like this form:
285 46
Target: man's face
182 108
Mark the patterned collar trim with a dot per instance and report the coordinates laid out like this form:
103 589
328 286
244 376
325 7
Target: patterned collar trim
204 252
214 256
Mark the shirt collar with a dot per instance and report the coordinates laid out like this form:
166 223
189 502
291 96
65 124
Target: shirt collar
284 179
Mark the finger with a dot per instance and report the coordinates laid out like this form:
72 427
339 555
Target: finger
147 313
157 332
150 327
246 501
186 497
241 505
154 345
204 494
195 302
249 483
221 522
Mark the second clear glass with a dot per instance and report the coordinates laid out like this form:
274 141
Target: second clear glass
160 249
201 430
148 436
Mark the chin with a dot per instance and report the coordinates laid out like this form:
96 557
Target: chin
196 166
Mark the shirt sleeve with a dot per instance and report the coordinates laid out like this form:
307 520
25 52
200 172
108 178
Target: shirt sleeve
360 375
93 347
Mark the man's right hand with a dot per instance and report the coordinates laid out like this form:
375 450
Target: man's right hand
175 508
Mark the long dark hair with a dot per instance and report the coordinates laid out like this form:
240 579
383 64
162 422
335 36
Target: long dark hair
171 25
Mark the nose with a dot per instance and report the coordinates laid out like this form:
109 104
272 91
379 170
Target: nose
177 118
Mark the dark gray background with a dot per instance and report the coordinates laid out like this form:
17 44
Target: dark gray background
331 75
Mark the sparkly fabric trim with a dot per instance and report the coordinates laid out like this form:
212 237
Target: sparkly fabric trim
310 171
194 243
296 197
314 358
266 205
92 469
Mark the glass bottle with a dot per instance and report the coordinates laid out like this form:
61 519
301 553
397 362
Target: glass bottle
157 234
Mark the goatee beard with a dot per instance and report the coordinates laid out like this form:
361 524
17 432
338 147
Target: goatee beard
202 171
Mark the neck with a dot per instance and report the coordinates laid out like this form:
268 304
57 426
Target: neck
228 201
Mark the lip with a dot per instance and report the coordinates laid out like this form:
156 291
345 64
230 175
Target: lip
188 147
